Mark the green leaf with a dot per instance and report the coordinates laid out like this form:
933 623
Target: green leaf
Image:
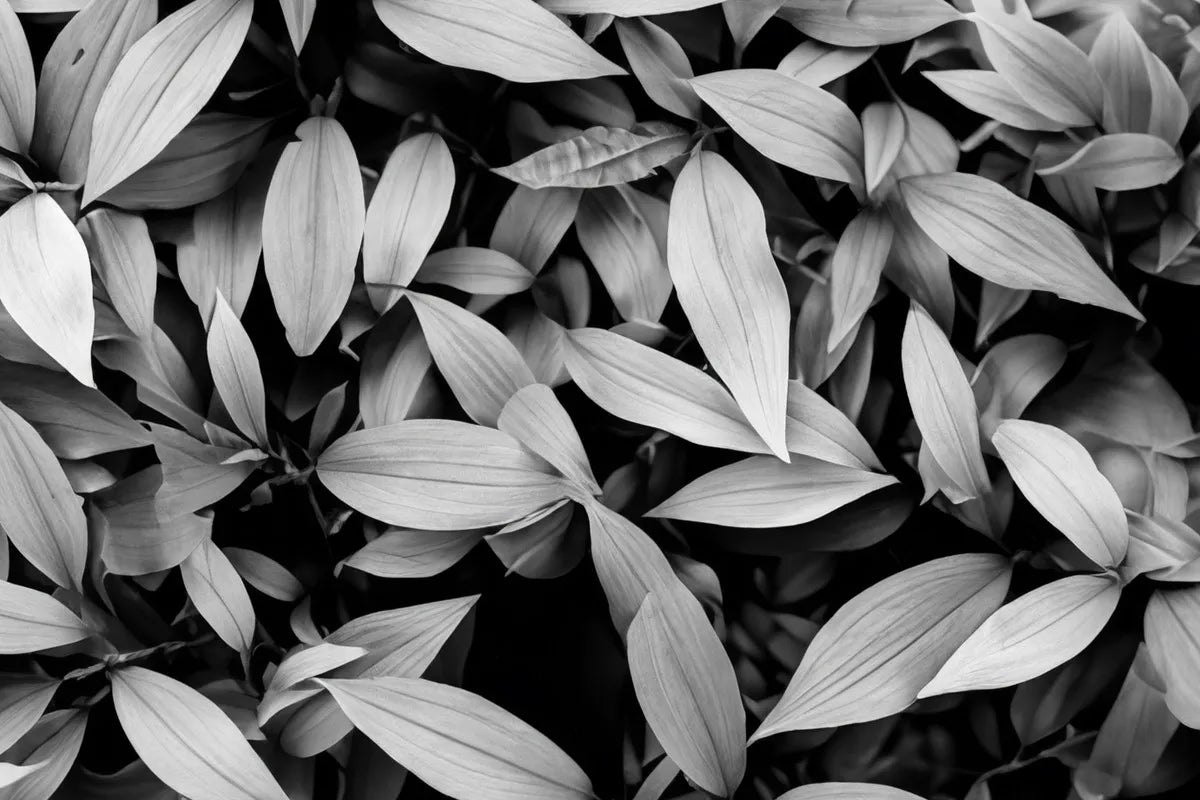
600 157
31 620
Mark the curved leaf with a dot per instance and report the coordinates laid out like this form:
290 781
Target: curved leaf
847 791
1140 93
476 270
857 266
661 66
124 258
22 703
217 591
621 246
17 90
534 417
600 157
624 8
236 373
31 620
817 64
1120 162
533 222
865 23
400 553
1172 622
987 93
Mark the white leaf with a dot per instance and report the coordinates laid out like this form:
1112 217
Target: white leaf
51 748
265 574
402 553
534 417
816 63
31 620
600 157
1140 93
661 66
1059 478
920 268
865 23
517 40
1120 162
394 368
885 130
17 90
159 85
847 791
624 8
298 16
987 93
217 591
533 222
857 266
731 290
1172 624
476 270
22 702
124 258
236 373
621 246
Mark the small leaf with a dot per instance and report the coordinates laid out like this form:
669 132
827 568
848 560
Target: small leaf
1172 623
621 246
920 268
1030 636
600 157
1140 93
31 620
406 214
401 553
1007 240
987 93
865 23
265 574
534 417
17 89
312 228
857 266
459 743
217 591
788 121
124 258
437 475
140 537
817 64
46 281
187 741
763 492
236 374
1017 370
1058 477
943 405
517 40
159 85
476 270
1120 162
306 662
847 791
298 16
661 66
873 656
731 290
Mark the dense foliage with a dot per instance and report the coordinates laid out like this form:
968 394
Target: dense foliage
637 399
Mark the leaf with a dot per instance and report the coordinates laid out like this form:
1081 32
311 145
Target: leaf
1007 240
600 156
661 66
920 268
884 132
406 214
50 748
23 700
872 657
476 270
847 791
1120 162
140 537
31 620
857 266
394 367
46 281
763 492
306 662
1058 477
17 90
687 690
236 374
437 475
788 121
401 553
124 259
547 544
163 81
74 73
987 93
517 40
298 16
482 367
1140 93
1030 636
816 428
731 290
312 228
265 574
534 417
1017 369
197 475
865 23
217 591
187 740
942 404
1043 67
533 222
1172 622
817 64
625 8
1161 548
459 743
621 246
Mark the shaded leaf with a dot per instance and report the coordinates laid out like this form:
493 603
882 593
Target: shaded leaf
298 16
847 791
140 536
23 699
661 66
533 222
864 23
987 93
1162 548
857 266
816 63
400 553
124 259
394 367
625 8
885 130
1140 93
236 374
265 574
621 246
50 748
600 157
1172 624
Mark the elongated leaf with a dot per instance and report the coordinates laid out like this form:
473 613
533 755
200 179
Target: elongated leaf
788 121
1120 162
236 374
17 90
403 553
875 654
1162 548
307 662
624 8
265 574
459 743
865 23
885 130
188 742
857 266
533 222
298 16
847 791
920 268
621 246
217 591
394 368
77 68
159 85
22 702
731 290
534 417
312 228
1017 370
600 157
943 404
517 40
1008 240
124 258
817 428
661 66
31 620
1030 636
687 690
46 281
987 93
816 63
1172 623
437 475
763 492
476 270
139 536
1058 477
406 213
1140 93
50 748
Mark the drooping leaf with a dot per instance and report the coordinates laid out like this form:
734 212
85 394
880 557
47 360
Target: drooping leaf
518 40
17 90
217 591
1059 478
189 742
621 246
857 266
1120 162
312 228
164 79
1029 636
476 270
661 66
31 620
875 654
236 373
865 23
731 290
48 751
1008 240
600 157
402 553
535 418
1172 620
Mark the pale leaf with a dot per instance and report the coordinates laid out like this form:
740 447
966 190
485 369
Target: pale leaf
661 66
987 93
217 591
395 365
1172 624
51 748
1140 93
23 699
236 373
865 23
17 90
625 8
600 157
476 270
885 130
401 553
533 222
298 16
816 63
31 620
534 417
857 266
124 259
265 574
621 246
847 791
1120 162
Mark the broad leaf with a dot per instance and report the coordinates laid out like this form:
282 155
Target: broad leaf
394 368
476 270
847 791
1161 548
600 157
17 90
1120 162
1140 93
987 93
265 574
236 374
532 223
816 63
535 418
139 536
50 749
31 620
1172 624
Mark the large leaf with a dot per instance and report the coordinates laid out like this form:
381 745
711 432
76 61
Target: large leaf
459 743
187 740
312 228
159 85
237 377
1060 479
1172 623
1030 636
46 281
875 654
731 290
437 475
517 40
600 157
17 91
1008 240
31 620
